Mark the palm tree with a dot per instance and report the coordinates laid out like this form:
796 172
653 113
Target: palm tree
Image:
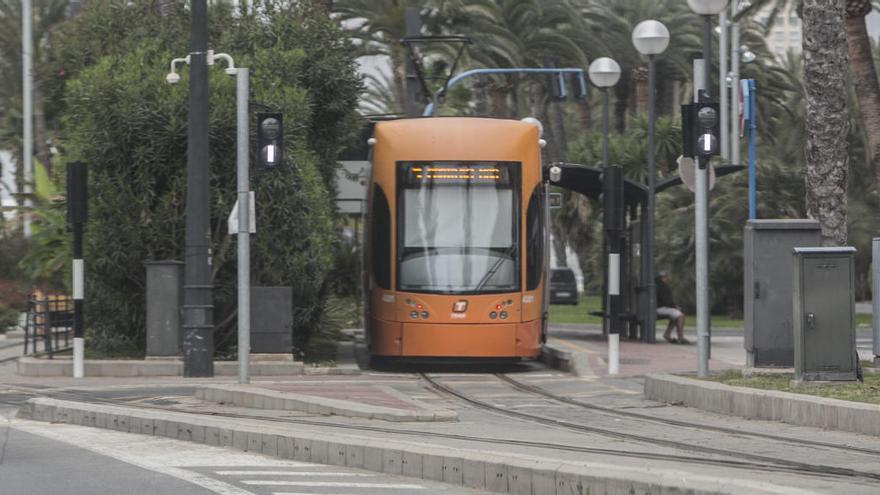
827 122
863 70
864 77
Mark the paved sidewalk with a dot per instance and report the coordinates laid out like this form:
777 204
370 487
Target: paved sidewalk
637 358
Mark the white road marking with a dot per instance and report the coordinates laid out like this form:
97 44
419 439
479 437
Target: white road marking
290 473
304 493
92 439
401 486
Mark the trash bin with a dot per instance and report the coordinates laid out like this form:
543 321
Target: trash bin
271 320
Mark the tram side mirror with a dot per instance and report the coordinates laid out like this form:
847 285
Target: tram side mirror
555 200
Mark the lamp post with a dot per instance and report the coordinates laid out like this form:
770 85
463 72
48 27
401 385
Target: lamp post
242 85
705 8
650 38
604 73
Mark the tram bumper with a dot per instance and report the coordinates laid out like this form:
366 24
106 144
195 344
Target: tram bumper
505 340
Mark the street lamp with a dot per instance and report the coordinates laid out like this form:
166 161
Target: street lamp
242 90
705 8
650 38
604 73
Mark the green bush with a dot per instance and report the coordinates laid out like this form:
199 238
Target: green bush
131 128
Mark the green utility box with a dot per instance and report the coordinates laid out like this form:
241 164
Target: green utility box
824 314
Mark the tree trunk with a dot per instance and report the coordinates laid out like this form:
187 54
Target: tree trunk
165 7
640 89
621 102
559 241
827 120
584 113
864 80
41 135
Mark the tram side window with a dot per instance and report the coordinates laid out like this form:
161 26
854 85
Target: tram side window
534 240
381 239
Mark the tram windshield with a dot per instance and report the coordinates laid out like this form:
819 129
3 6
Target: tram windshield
458 228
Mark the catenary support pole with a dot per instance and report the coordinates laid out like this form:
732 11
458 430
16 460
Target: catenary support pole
27 138
650 315
244 247
875 298
198 326
734 87
722 82
702 69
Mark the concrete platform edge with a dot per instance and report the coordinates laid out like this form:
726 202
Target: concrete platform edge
771 405
501 473
573 362
37 367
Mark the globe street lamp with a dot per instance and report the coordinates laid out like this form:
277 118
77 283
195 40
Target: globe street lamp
650 38
705 8
604 73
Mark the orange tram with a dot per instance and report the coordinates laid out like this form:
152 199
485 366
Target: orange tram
456 246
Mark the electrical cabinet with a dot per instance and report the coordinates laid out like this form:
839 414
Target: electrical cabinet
271 320
823 312
768 336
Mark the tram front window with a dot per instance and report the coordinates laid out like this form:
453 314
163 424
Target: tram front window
457 232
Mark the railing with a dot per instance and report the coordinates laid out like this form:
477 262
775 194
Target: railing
50 323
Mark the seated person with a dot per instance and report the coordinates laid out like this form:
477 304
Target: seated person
666 308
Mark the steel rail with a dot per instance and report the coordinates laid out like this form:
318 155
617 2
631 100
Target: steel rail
799 466
674 422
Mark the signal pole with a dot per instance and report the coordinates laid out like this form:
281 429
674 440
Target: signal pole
198 308
701 185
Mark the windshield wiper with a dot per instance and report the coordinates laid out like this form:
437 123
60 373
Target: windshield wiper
508 253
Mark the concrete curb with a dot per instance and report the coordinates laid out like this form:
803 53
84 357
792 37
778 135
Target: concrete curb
797 409
249 396
29 366
500 473
556 357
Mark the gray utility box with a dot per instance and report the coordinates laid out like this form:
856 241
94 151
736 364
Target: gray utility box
271 320
767 292
824 313
164 300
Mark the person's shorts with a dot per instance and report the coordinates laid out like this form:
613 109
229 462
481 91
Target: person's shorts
667 312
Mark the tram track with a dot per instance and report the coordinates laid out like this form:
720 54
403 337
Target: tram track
727 463
755 459
535 390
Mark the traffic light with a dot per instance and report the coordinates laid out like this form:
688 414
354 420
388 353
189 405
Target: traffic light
578 85
270 139
700 126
